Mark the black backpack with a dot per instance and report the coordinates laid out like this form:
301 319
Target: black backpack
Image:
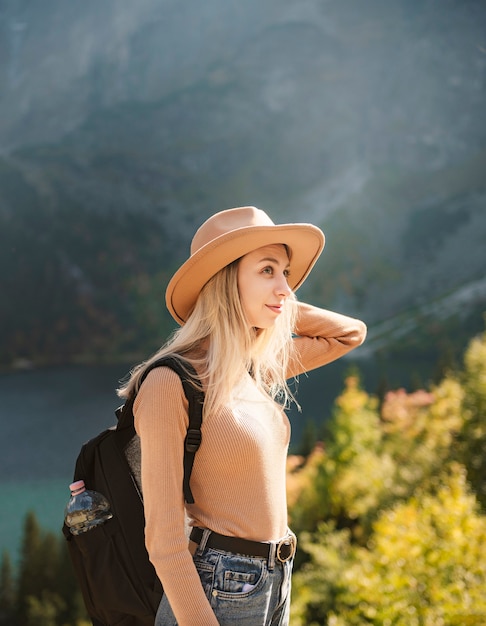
117 580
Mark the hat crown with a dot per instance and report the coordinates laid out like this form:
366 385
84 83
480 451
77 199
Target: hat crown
227 221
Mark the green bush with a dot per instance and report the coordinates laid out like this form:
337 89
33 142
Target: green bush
388 509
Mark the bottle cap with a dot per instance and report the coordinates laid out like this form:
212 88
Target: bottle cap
77 487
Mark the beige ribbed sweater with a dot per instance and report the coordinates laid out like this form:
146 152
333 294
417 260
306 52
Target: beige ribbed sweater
238 480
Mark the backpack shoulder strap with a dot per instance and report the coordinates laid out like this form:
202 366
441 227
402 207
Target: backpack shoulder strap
195 398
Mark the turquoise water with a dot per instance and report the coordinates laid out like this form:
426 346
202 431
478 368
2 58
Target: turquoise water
46 498
46 415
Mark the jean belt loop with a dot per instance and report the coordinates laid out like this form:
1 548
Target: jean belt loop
271 556
202 546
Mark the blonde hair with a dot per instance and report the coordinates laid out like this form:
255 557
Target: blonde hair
218 342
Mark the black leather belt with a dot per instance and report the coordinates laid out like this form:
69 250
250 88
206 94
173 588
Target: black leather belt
283 550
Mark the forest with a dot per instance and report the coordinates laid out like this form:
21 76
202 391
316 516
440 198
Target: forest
388 503
366 119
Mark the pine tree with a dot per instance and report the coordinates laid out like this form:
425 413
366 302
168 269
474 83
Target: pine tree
68 588
473 437
30 578
49 557
46 592
7 590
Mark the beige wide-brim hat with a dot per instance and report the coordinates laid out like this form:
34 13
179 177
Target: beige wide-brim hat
229 235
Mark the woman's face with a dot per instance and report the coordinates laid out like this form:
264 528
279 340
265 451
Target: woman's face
262 284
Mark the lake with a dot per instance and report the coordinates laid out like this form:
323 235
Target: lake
46 415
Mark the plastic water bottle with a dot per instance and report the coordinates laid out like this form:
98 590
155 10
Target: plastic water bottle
86 509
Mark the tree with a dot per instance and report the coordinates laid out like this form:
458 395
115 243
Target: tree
473 436
46 593
7 590
420 429
358 471
74 611
388 508
425 564
30 579
317 583
344 479
43 610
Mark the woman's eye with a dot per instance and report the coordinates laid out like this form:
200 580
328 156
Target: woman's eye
270 270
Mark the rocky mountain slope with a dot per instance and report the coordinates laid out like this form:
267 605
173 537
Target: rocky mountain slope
123 125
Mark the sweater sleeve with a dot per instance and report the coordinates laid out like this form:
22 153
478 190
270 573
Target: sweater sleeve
323 336
161 420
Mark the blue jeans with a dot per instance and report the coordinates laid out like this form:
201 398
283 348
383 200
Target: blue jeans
243 591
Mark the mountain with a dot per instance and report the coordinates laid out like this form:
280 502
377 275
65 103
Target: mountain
124 125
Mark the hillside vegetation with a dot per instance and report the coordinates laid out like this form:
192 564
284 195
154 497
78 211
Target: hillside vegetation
124 125
390 507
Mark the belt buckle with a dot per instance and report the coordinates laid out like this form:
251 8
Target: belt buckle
289 542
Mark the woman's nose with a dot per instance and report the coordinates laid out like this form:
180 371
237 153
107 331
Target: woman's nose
283 288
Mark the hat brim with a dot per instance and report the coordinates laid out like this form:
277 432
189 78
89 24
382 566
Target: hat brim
304 240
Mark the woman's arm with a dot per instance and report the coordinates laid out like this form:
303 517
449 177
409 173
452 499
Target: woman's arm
161 420
323 336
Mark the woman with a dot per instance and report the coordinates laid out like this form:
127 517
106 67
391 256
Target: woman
245 334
